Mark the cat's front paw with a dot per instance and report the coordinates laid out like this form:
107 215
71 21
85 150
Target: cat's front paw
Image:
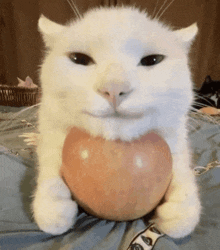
54 210
177 220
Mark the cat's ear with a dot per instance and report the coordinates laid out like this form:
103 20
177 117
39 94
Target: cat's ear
187 35
208 79
49 30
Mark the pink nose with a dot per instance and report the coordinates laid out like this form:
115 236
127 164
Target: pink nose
115 93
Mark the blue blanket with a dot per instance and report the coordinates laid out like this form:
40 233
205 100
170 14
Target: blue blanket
17 182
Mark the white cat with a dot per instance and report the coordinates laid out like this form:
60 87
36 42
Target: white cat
116 73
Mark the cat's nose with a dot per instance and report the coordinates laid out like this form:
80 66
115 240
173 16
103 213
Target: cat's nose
115 93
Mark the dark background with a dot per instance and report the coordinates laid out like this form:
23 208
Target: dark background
21 47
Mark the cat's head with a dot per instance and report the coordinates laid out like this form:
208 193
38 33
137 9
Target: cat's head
116 72
210 87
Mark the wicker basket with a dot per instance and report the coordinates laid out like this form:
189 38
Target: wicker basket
18 96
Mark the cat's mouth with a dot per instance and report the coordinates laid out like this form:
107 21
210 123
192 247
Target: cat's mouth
116 115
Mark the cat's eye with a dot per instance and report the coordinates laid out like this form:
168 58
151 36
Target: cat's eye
80 58
151 60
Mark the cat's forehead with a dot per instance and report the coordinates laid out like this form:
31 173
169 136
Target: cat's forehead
118 25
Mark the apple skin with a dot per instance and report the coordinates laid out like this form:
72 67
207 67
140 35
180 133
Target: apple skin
116 180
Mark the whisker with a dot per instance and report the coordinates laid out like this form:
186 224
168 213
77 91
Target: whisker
193 109
160 9
207 116
200 105
197 110
165 9
213 120
155 8
203 98
74 8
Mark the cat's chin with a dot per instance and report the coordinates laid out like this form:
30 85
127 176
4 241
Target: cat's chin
125 127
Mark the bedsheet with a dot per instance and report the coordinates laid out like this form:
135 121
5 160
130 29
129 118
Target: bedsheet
17 182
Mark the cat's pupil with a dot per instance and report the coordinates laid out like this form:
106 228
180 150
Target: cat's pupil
151 60
80 58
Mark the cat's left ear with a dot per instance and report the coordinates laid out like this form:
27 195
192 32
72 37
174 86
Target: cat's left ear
187 35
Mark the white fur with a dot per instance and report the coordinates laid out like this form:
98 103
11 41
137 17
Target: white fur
116 39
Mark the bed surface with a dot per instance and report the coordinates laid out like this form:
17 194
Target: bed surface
17 171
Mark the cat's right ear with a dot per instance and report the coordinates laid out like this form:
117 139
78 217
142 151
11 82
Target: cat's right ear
49 30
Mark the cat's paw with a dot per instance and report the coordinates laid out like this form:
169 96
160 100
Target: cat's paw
177 220
54 210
